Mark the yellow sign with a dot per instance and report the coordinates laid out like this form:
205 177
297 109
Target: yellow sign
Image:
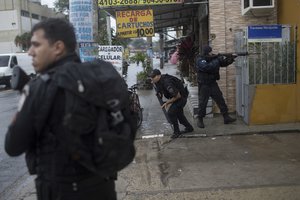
106 3
135 23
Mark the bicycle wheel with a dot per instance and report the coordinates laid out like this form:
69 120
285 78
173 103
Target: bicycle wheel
139 116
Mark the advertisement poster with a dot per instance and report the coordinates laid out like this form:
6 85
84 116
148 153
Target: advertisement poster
134 23
81 16
88 51
112 54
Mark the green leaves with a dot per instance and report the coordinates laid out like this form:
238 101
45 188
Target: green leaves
23 41
62 6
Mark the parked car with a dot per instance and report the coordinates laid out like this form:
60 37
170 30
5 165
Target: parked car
9 61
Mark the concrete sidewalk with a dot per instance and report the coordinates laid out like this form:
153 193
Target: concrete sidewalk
214 126
236 161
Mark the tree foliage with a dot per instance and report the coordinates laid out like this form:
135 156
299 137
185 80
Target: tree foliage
139 43
23 41
62 6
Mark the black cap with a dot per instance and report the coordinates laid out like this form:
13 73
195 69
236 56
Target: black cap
206 50
154 73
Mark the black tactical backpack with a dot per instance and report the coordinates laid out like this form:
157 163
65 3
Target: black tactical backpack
99 130
179 84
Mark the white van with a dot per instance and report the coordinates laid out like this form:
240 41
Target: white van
8 61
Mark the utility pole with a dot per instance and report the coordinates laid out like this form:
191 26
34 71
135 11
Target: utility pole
150 51
161 50
108 28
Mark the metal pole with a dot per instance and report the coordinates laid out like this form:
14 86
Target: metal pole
161 49
108 28
295 53
150 51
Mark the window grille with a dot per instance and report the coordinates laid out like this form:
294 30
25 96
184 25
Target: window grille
275 63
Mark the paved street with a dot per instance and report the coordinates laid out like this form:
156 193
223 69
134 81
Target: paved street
234 161
13 171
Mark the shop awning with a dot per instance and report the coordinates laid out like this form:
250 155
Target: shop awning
167 15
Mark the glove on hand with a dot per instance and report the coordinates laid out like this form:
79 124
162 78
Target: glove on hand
221 58
229 60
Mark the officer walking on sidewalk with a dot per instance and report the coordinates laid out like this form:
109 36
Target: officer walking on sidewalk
208 66
59 176
172 88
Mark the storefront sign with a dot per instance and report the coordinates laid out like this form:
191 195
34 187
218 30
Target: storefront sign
112 54
135 23
265 33
107 3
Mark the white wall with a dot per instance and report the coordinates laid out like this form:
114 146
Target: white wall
26 24
34 21
9 20
8 47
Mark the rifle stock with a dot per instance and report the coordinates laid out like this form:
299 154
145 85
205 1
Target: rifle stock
161 102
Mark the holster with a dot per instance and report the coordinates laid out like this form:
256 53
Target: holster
31 162
44 191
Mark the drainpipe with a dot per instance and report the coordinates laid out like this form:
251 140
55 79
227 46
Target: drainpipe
295 52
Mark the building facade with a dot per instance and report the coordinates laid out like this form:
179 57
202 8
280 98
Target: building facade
18 17
268 101
225 18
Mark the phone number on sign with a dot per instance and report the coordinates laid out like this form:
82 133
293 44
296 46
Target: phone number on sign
103 3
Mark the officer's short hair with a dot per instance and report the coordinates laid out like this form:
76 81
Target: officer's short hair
58 29
154 73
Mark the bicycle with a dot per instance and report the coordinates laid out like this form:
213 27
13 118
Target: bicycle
135 105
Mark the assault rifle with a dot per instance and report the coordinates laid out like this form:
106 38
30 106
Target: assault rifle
228 55
234 55
161 102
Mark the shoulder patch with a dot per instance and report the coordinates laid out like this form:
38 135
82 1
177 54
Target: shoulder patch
45 77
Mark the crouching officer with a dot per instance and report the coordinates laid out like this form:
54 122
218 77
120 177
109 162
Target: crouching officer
208 66
172 88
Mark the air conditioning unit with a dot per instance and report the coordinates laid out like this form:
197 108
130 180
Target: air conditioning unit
257 7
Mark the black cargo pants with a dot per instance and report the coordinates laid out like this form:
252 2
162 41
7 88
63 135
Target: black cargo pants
176 114
87 189
210 90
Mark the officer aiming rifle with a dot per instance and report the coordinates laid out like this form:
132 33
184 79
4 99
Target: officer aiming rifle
208 66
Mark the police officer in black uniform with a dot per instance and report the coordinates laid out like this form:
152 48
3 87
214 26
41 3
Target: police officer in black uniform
208 66
35 133
177 96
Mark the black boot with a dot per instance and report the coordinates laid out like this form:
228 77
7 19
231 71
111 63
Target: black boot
228 119
200 123
176 132
188 129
